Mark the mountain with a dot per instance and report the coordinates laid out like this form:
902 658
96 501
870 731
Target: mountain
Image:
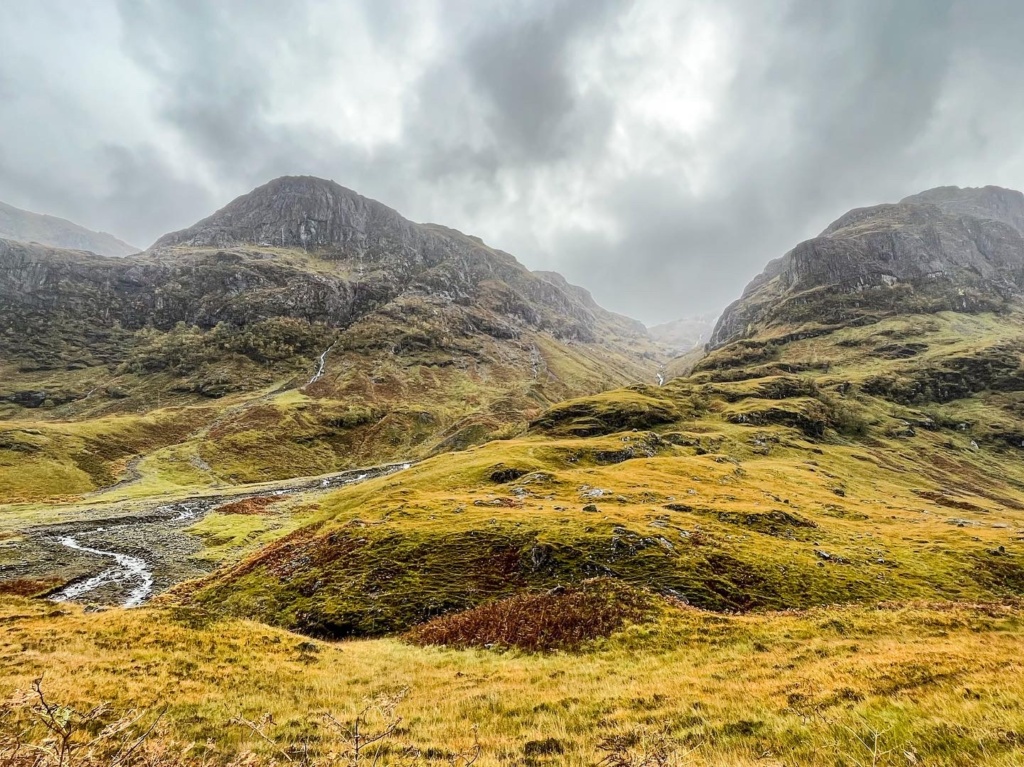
945 249
818 529
301 329
684 335
24 226
991 202
854 434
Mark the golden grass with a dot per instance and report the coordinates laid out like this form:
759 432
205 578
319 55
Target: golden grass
732 529
939 684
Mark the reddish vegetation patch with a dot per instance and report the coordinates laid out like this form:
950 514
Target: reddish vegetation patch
302 551
27 587
561 619
251 506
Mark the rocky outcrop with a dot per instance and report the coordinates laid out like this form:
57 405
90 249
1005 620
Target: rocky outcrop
300 248
946 249
305 212
24 226
1006 205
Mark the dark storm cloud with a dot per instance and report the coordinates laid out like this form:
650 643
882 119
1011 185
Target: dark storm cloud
657 153
829 102
504 98
524 76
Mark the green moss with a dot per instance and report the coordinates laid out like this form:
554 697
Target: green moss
635 408
773 490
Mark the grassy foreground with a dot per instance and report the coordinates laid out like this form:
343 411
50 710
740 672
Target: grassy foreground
913 684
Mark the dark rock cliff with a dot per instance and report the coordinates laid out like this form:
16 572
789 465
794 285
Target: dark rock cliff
945 249
300 248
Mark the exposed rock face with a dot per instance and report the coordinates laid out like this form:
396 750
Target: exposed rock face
945 249
24 226
1006 205
299 248
303 212
201 288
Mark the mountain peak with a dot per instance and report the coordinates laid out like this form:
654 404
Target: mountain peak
943 249
992 202
291 211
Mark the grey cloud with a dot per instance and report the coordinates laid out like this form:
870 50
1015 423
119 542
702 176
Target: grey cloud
148 195
522 70
519 122
212 64
826 113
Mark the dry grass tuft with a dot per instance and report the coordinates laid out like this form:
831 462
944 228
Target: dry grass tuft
252 506
560 619
36 731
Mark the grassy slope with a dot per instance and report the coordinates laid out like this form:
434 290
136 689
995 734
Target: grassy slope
858 466
418 374
777 491
366 410
938 684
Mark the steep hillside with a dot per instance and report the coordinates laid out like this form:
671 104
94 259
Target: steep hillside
923 255
807 550
301 329
24 226
856 436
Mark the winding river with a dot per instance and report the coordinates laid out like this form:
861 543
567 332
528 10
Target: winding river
132 576
126 569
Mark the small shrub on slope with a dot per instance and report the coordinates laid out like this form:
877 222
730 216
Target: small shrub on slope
560 619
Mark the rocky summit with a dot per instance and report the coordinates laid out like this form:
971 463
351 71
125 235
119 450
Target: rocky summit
944 249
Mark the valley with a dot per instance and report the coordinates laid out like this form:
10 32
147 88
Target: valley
800 544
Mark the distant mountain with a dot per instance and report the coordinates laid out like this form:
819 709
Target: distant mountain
684 335
24 226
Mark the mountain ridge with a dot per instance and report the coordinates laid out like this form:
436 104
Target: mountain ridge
26 226
379 339
923 251
829 506
856 437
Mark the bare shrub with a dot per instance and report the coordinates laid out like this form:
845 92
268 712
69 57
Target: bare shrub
36 732
563 618
371 735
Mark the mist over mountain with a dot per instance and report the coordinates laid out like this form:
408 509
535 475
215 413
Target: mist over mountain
25 226
685 334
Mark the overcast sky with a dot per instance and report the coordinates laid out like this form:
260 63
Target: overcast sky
656 152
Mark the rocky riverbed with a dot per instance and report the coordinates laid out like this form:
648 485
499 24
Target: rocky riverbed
123 554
